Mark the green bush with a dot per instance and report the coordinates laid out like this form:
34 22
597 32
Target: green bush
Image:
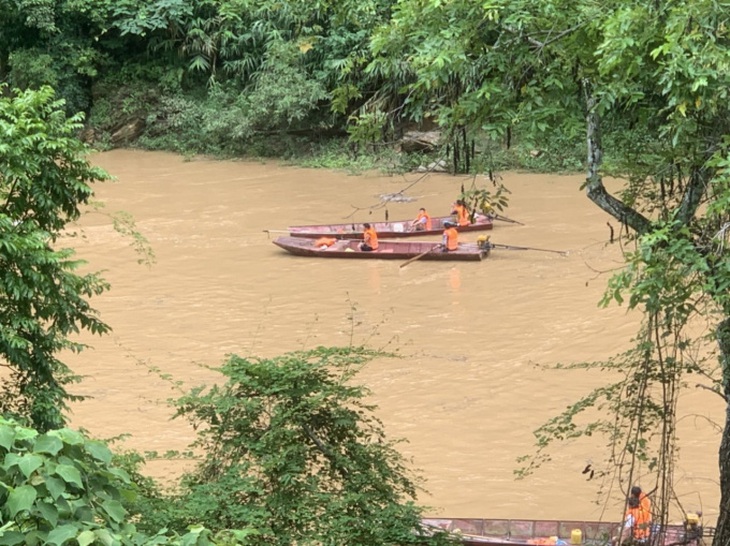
294 455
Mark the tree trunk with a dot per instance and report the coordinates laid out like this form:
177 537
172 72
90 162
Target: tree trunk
722 531
595 189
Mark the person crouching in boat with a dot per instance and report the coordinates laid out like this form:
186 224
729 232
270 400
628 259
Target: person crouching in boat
370 239
324 242
422 221
450 241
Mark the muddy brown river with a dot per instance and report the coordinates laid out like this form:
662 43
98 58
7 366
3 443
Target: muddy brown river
468 392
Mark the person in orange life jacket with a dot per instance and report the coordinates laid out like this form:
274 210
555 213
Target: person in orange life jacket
643 498
462 213
450 237
636 527
370 239
324 242
422 221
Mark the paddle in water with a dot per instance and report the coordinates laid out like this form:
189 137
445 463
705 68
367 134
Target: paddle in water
421 255
505 219
513 247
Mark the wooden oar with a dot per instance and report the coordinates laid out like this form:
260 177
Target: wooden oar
421 255
505 219
513 247
333 235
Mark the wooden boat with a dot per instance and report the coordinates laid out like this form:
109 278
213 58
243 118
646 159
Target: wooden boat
387 250
514 532
386 230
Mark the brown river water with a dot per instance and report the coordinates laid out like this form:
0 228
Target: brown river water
467 394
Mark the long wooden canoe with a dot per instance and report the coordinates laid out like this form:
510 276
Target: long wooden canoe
386 230
387 250
517 532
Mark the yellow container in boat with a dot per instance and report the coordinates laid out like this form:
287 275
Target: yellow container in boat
693 518
576 536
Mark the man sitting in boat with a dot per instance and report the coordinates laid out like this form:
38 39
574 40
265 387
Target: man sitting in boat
462 213
450 240
370 239
422 221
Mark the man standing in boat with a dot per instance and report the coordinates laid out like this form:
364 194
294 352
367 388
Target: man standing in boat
462 213
422 221
636 527
450 237
643 498
370 239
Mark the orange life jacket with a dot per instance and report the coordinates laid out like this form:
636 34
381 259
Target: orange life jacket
462 215
370 238
641 527
324 241
421 216
452 238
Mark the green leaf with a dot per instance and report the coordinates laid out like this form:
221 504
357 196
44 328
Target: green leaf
104 536
22 433
11 460
21 499
85 538
48 444
118 473
68 436
11 538
7 436
82 511
61 534
49 512
70 474
99 451
115 510
29 463
56 488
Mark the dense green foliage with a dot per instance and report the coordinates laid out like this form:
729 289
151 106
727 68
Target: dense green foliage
57 486
61 488
44 180
202 76
293 454
241 77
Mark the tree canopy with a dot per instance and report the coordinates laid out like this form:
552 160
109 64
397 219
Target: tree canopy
649 84
44 300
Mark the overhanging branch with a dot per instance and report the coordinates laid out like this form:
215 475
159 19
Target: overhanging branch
595 188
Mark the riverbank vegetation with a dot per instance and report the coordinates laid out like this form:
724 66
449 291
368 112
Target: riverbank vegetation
627 89
292 80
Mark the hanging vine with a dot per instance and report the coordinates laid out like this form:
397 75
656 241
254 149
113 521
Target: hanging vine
637 412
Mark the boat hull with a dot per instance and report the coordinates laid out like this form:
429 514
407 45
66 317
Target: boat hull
513 532
387 250
386 230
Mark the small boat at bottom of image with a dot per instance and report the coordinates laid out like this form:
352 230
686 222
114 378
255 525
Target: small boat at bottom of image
523 532
326 247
